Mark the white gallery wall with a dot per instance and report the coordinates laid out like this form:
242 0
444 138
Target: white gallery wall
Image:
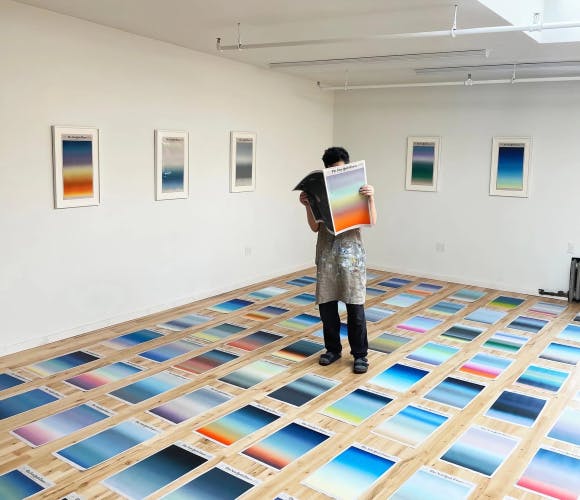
67 271
460 233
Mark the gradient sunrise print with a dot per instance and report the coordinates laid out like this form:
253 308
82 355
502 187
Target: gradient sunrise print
349 208
77 166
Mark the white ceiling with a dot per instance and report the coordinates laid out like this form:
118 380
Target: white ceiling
196 24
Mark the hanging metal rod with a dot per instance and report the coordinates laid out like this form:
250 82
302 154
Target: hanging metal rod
398 36
469 82
493 67
420 56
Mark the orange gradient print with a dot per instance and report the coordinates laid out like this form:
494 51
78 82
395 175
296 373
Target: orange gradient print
77 166
348 207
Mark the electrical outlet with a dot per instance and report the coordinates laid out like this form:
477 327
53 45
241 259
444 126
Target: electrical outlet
439 247
571 249
247 251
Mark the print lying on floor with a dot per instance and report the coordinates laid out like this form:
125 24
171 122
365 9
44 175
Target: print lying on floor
148 387
552 473
480 450
454 392
9 380
253 374
206 361
412 425
287 444
230 305
62 363
107 444
435 485
22 483
503 341
517 408
61 424
102 376
171 350
387 343
351 473
467 295
185 322
298 351
222 481
156 471
357 406
132 339
303 390
543 378
433 353
255 340
218 332
190 405
238 424
570 332
25 401
566 428
399 377
561 353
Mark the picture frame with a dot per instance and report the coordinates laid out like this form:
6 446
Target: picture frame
422 163
242 161
171 164
75 152
510 166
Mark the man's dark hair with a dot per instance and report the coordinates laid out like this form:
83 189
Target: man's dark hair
334 155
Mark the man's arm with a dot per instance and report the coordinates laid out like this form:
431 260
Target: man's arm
369 191
315 226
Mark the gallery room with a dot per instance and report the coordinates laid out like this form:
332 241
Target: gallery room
290 249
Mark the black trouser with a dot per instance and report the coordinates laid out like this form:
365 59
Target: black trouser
356 323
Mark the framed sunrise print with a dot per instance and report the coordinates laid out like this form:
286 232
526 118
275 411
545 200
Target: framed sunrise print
510 166
422 163
242 161
76 166
171 164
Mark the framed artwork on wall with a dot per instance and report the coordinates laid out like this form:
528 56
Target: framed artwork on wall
75 166
510 166
171 164
242 161
422 163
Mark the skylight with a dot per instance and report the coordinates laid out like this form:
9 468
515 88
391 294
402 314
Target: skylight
521 12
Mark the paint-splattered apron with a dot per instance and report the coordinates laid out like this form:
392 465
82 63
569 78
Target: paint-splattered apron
340 267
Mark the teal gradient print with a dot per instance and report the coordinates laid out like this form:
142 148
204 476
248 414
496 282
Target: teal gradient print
422 164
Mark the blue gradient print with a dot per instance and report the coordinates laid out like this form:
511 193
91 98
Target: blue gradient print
106 444
19 403
399 377
14 485
350 474
510 168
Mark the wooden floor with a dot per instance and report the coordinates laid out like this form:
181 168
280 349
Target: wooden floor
523 440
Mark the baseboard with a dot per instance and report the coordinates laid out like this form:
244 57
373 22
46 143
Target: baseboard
132 315
456 279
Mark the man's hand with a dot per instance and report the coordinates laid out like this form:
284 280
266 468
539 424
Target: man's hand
304 199
367 190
